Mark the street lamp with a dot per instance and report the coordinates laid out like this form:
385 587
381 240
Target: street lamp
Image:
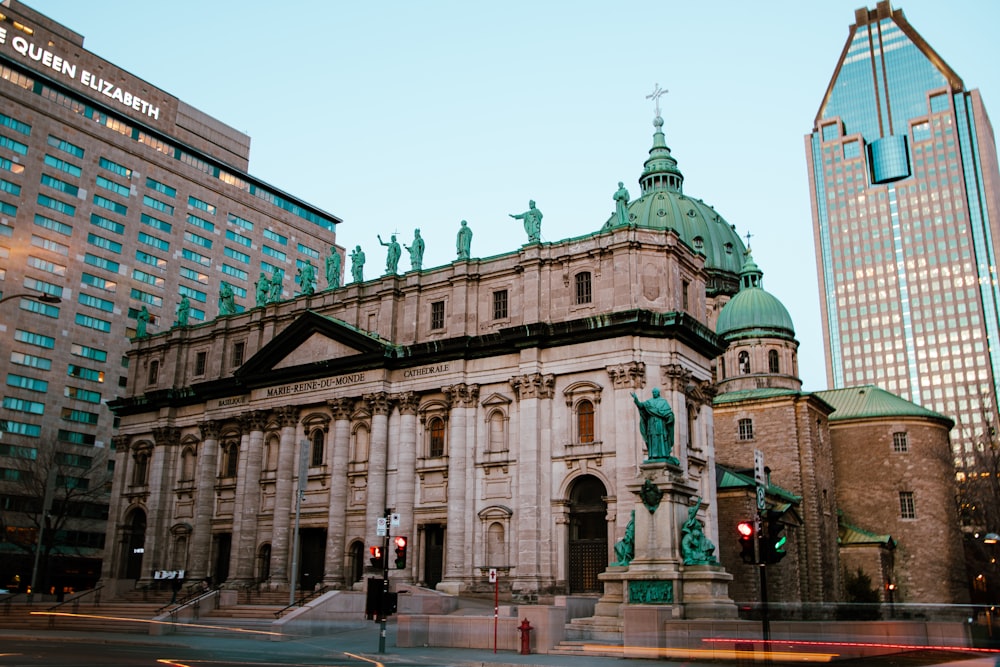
43 298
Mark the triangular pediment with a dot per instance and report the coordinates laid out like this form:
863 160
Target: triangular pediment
313 346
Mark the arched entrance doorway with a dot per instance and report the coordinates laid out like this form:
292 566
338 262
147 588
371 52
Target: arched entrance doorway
588 534
133 539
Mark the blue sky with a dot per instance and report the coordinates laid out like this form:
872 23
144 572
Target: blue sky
402 115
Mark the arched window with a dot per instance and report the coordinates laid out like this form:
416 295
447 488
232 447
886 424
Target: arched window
361 437
584 421
271 453
318 438
154 371
772 361
722 368
498 440
436 440
230 458
495 547
744 361
188 459
140 472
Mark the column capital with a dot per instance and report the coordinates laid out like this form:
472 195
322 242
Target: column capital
210 429
288 415
120 442
166 435
461 395
406 401
379 403
341 408
253 420
630 375
533 385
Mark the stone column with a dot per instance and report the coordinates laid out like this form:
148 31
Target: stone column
284 490
529 390
113 553
458 540
336 527
406 462
625 379
247 506
378 449
204 507
161 470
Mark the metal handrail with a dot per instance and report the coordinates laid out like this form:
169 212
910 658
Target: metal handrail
302 600
188 600
96 592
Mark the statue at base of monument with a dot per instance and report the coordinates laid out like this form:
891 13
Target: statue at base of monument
696 548
625 547
656 424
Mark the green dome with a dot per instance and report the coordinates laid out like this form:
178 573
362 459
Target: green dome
663 205
754 312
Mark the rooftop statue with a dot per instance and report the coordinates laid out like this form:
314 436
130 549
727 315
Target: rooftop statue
263 290
141 322
532 222
277 275
656 424
183 312
416 250
333 269
306 278
621 204
464 241
227 300
357 264
392 255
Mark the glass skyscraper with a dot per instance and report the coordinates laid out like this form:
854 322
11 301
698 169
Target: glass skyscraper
904 180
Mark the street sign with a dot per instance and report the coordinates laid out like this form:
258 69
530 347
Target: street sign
394 520
381 527
761 495
493 575
758 468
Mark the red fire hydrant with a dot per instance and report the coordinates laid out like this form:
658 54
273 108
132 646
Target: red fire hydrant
525 630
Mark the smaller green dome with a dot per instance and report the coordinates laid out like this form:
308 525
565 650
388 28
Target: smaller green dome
754 312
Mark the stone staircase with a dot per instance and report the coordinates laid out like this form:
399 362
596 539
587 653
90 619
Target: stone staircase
117 616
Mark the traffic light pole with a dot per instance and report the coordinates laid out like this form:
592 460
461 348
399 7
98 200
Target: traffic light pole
765 619
385 584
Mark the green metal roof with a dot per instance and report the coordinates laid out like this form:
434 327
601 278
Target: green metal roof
727 478
754 312
848 534
751 394
869 401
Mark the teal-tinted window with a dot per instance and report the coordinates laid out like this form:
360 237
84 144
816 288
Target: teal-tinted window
108 184
33 306
156 223
277 254
22 405
12 145
10 188
239 238
233 271
98 282
85 373
20 428
197 276
12 167
939 103
61 186
111 205
96 302
274 236
197 295
44 287
88 352
157 204
30 360
153 241
65 146
101 263
197 239
193 256
62 165
36 339
148 278
82 417
15 124
921 132
83 394
161 187
76 438
889 159
106 244
7 209
152 260
13 451
146 297
116 168
93 323
23 382
54 225
56 205
107 223
852 149
201 205
309 252
49 244
240 222
207 225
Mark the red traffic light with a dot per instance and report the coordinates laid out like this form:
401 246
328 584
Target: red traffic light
376 552
400 542
745 528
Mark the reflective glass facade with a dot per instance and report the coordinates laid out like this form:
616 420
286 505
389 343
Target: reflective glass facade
904 228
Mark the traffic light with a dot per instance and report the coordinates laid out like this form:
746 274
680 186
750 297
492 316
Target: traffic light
772 543
747 534
400 543
377 559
